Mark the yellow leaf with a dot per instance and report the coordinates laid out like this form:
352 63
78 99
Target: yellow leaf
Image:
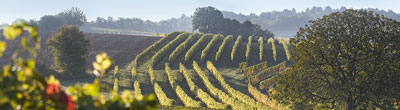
12 32
3 47
97 66
150 97
92 89
24 42
106 63
99 58
33 31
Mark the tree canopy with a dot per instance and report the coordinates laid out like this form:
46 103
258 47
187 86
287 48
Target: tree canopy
210 20
70 48
73 16
346 60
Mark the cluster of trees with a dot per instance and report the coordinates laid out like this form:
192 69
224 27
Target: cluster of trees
73 16
182 23
211 20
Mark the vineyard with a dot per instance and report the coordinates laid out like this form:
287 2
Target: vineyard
200 71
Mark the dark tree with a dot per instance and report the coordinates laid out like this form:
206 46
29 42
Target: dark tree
73 16
207 20
70 49
50 22
347 60
210 20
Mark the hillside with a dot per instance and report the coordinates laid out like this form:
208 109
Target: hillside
122 48
173 69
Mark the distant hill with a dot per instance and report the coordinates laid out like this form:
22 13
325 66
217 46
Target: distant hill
287 22
283 23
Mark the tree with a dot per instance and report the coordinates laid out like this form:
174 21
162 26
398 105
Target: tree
347 60
207 20
73 16
50 22
210 20
70 48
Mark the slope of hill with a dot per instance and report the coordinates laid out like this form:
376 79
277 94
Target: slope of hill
122 48
223 84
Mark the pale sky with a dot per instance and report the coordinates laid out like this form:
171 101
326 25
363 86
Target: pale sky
156 10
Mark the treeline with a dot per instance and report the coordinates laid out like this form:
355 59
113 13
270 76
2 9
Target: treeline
211 20
287 22
183 23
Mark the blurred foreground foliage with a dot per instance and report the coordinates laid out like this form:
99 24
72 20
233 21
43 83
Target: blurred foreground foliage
22 87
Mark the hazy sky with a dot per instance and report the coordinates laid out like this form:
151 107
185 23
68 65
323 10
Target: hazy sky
156 10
